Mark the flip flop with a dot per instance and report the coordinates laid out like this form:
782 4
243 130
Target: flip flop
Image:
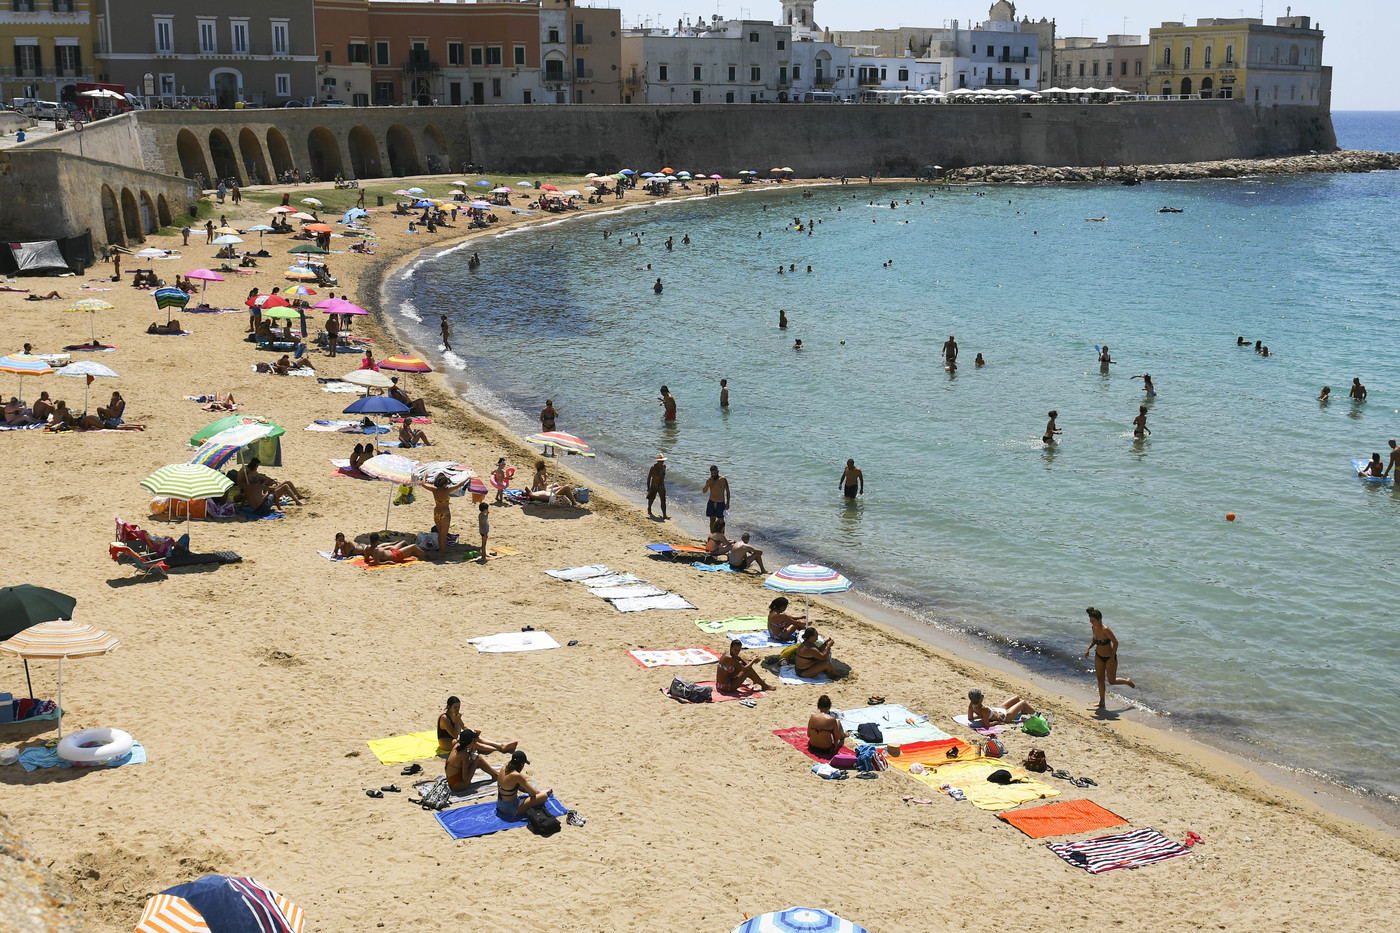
412 769
374 793
1192 838
1062 774
875 700
1090 782
391 789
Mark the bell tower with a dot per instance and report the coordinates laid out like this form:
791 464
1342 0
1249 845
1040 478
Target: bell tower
799 14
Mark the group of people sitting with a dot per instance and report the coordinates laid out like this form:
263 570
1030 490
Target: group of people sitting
56 414
261 492
378 551
826 735
465 749
740 554
146 278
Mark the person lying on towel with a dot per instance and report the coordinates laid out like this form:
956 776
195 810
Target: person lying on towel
397 553
732 671
541 490
979 714
344 547
824 732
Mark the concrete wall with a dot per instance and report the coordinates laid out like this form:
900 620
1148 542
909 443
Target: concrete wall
114 139
11 121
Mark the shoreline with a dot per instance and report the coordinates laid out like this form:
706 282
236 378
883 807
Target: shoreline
1330 163
955 643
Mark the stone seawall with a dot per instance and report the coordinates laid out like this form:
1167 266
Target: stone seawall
1321 163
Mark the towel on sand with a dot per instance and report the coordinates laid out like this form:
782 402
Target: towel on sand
962 720
970 775
638 604
761 640
787 674
714 568
346 427
513 641
629 591
397 749
612 579
39 756
673 657
797 738
1125 850
480 819
715 696
894 724
1062 819
330 555
360 562
739 624
579 573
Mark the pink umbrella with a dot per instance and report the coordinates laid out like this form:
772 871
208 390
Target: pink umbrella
338 306
716 177
204 275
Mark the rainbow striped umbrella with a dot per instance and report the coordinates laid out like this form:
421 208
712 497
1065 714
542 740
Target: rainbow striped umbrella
24 365
390 468
300 291
405 364
170 297
59 639
91 306
808 580
220 904
573 445
299 274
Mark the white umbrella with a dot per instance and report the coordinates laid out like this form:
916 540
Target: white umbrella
228 239
312 201
369 378
86 368
103 94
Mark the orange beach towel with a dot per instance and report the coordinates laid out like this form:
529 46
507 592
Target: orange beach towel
1062 819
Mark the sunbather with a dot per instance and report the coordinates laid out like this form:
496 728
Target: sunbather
48 297
514 793
450 725
464 760
811 660
411 437
15 415
361 453
286 364
1008 711
43 408
743 554
397 553
781 626
732 671
416 406
717 545
169 329
824 732
542 490
111 413
344 547
260 489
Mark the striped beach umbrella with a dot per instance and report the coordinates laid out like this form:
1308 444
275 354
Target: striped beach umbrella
91 306
86 369
798 920
220 448
228 239
573 445
187 482
59 639
24 605
22 364
808 580
394 469
214 428
168 298
406 364
300 291
220 904
300 274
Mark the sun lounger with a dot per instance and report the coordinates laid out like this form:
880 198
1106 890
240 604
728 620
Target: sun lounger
679 551
146 563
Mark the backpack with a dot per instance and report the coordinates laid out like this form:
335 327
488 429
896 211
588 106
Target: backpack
687 692
995 747
436 796
870 733
1036 725
541 821
1035 761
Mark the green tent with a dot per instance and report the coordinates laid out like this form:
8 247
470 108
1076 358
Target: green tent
233 421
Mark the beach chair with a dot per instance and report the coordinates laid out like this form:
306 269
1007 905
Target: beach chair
679 551
148 564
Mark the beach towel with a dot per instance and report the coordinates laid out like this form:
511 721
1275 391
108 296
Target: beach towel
330 555
715 696
962 720
642 603
513 641
971 777
797 738
673 657
342 468
214 310
613 579
39 756
397 749
579 573
678 550
341 427
480 819
19 427
739 624
476 791
88 348
714 568
630 591
761 640
360 562
894 724
1125 850
1062 819
787 674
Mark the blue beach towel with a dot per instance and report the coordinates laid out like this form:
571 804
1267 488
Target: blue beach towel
714 568
480 819
762 640
41 757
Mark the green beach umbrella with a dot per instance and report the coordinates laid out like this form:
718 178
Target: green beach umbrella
233 421
282 313
308 249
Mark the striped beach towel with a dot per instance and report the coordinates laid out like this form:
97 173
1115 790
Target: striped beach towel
1125 850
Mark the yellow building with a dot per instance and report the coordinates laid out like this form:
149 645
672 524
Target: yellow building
1239 58
47 47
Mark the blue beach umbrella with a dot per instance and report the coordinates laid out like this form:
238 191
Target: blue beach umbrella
799 920
376 405
220 904
626 171
423 204
484 183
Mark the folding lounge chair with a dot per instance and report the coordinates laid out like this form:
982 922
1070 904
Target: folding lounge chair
679 551
146 563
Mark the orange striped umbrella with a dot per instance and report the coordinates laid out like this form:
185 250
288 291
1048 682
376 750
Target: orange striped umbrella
220 904
406 364
61 638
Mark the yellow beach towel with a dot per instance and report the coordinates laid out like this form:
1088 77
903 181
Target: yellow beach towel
397 749
971 778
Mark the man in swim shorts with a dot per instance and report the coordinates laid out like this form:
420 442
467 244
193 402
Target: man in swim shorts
950 351
1007 712
656 485
397 553
852 480
1394 463
743 554
717 488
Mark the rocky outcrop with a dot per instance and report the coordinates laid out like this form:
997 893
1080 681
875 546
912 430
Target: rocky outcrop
1343 160
30 900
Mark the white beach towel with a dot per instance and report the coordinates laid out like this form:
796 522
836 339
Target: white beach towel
640 603
513 641
787 674
579 573
630 591
333 426
612 579
345 387
761 640
673 657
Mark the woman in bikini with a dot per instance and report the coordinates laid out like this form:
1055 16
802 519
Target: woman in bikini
449 724
442 508
514 793
1140 423
1105 648
464 760
824 732
813 661
781 626
1050 429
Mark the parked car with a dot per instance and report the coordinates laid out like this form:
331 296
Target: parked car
294 103
331 103
48 110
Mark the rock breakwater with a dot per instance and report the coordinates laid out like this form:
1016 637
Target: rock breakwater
1343 160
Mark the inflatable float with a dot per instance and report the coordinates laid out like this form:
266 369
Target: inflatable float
95 746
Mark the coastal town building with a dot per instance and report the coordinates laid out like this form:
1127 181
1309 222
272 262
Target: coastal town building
716 62
1119 61
54 45
259 52
1241 58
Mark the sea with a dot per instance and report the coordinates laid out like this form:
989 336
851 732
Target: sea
1276 634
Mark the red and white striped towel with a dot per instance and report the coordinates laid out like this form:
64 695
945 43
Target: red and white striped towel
1125 850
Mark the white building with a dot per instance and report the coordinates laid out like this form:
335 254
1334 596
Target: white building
719 62
554 54
881 73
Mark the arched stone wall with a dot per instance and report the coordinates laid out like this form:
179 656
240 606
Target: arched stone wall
324 153
225 161
148 214
191 155
279 152
131 217
163 215
403 152
254 162
364 153
435 152
112 218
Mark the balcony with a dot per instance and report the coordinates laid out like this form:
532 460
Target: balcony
583 74
555 77
421 66
1012 59
1003 82
582 42
824 81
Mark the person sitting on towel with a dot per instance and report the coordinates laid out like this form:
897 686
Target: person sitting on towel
258 488
811 660
824 732
362 453
344 547
1007 712
16 415
717 545
464 760
397 553
409 436
514 793
415 405
111 413
743 554
781 626
733 671
541 490
286 364
450 725
43 408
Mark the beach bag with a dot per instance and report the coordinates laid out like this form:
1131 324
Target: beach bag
1000 776
995 748
1036 725
436 796
870 733
688 692
541 821
581 494
1035 761
870 758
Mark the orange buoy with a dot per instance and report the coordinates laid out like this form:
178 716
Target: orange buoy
1229 516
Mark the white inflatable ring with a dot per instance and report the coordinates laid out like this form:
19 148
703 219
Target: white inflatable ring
95 746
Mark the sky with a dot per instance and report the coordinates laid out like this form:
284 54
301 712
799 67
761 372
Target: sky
1356 44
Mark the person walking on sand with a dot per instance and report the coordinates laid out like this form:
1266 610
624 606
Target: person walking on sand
446 330
668 404
1105 648
442 509
1358 391
483 524
950 352
852 480
1050 429
656 486
1140 423
724 393
717 488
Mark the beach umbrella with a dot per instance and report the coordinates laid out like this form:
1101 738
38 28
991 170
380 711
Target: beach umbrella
367 378
376 405
203 275
571 193
300 274
405 364
220 904
283 210
187 482
808 580
24 365
460 181
91 306
312 201
716 177
215 428
480 205
259 229
300 291
26 605
456 191
169 297
59 639
424 203
591 175
88 370
102 93
267 301
227 229
339 306
414 190
318 228
390 468
523 184
548 187
626 171
151 252
228 239
308 249
402 191
220 448
280 311
798 920
573 445
484 183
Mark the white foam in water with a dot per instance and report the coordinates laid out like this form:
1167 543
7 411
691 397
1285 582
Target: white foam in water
409 310
453 360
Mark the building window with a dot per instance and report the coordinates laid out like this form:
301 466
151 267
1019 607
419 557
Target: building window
729 97
238 32
167 85
797 72
882 74
1166 56
1229 54
1137 68
279 38
696 72
27 60
528 100
69 64
208 37
904 74
165 37
753 98
456 53
493 55
328 56
1096 69
495 87
974 50
755 73
1166 90
753 37
782 74
357 52
284 85
1186 57
1208 56
695 96
579 71
1081 69
520 54
554 70
1028 71
554 35
782 44
662 73
1123 68
381 53
578 34
476 55
732 78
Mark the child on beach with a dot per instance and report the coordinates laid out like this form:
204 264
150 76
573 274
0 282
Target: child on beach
483 521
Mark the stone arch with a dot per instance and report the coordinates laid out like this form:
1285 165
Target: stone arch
279 152
435 149
112 218
163 214
1207 86
1293 55
364 153
403 152
325 153
148 214
191 156
1185 87
221 152
131 217
1166 90
254 162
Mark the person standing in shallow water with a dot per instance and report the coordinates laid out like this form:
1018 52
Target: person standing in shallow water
852 480
1140 428
1105 648
782 319
724 393
1050 429
668 404
656 486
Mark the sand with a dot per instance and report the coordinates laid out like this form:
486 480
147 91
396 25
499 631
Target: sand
255 686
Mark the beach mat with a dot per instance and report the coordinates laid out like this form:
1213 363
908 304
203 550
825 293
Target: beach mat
787 674
513 641
480 819
627 591
579 573
1062 819
673 657
894 724
360 562
715 696
612 579
643 603
797 738
962 720
714 568
191 559
1125 850
738 624
970 775
40 756
761 640
397 749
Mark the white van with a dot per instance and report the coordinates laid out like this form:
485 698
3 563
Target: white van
48 110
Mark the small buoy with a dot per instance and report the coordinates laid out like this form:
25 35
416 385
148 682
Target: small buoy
1229 516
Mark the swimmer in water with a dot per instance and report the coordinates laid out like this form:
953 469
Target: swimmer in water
1241 342
657 287
1140 423
782 319
979 362
1358 391
1050 429
798 344
1374 468
1326 395
1104 358
1147 384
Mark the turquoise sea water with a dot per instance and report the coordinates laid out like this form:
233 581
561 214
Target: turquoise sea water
1277 632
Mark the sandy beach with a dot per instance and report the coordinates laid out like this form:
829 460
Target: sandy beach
254 688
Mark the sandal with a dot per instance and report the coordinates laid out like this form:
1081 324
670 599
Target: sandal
412 769
1062 774
391 789
875 700
374 793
